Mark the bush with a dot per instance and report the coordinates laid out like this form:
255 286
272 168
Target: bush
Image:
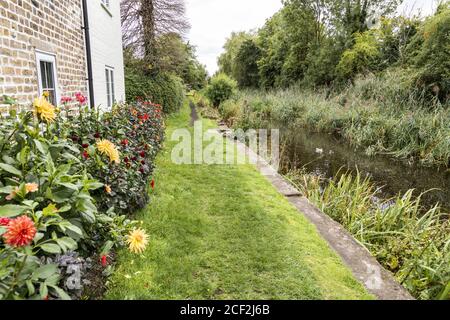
361 57
137 132
164 89
430 52
220 89
64 183
168 91
230 111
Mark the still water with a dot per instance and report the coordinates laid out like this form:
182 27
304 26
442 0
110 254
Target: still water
326 154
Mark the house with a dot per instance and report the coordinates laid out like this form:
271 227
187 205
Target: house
62 47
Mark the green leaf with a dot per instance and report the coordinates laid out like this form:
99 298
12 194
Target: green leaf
30 287
10 169
61 293
45 271
51 248
61 194
75 229
6 190
94 185
107 247
67 243
43 290
11 210
69 186
9 100
8 159
41 147
65 208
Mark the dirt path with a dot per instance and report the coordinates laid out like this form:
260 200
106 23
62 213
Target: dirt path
194 114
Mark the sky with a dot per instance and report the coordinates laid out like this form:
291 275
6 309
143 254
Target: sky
212 21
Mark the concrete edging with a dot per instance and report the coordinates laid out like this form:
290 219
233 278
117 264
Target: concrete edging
375 278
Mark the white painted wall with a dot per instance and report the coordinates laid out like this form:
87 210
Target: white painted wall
106 49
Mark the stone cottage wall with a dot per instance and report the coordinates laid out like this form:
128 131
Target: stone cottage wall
52 26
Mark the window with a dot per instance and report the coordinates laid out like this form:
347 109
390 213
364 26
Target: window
106 3
110 95
47 79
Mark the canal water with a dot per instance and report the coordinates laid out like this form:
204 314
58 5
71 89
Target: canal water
327 155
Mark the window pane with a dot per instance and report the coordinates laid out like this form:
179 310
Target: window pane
50 80
47 80
108 92
43 75
113 98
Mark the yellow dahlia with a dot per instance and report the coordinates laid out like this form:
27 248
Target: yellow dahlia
137 241
108 148
44 109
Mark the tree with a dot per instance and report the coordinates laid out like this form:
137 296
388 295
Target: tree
353 16
144 20
227 60
246 66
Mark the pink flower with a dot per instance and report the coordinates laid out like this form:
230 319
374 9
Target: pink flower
80 98
4 222
66 99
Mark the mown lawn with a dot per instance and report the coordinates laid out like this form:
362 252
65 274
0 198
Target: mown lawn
223 232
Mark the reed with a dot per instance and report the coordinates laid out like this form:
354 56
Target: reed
409 240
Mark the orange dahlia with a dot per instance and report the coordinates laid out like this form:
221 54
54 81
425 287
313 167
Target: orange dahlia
20 232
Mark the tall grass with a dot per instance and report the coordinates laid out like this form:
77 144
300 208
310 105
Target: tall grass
410 241
377 114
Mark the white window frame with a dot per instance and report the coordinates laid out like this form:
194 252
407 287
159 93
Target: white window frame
110 86
47 57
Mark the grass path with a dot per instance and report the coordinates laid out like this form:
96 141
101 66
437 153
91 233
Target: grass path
223 232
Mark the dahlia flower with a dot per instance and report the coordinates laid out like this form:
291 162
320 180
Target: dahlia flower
4 221
137 241
66 99
44 109
20 232
80 98
31 187
108 148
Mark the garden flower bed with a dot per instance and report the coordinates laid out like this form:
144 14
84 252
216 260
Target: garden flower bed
68 184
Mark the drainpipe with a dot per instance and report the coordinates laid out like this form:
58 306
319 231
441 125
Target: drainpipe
88 54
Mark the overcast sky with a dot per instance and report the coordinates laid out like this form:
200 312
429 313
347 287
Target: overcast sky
213 21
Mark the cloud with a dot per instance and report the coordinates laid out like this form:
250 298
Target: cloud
213 21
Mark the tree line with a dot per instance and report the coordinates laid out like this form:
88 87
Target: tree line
317 43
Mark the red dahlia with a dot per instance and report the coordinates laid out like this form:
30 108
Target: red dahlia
4 221
21 232
104 261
